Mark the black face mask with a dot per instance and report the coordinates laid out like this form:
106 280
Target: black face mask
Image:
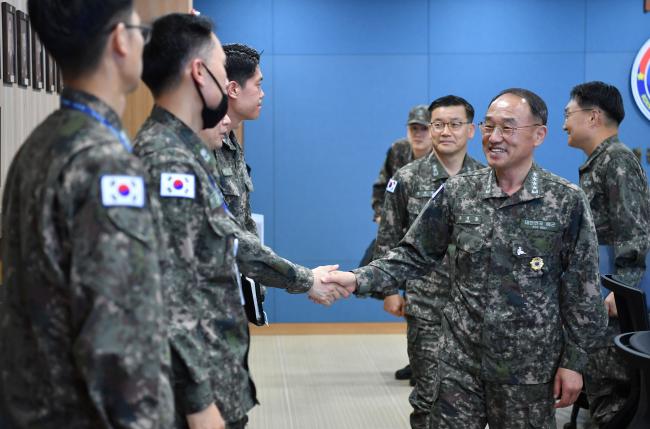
212 116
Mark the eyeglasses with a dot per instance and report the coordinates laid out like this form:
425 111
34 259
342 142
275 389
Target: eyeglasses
145 30
568 113
489 129
439 126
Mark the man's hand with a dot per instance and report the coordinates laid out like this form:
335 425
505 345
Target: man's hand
610 305
210 418
566 387
394 304
344 279
325 293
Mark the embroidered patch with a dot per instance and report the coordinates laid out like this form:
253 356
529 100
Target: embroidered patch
392 184
542 225
177 185
122 191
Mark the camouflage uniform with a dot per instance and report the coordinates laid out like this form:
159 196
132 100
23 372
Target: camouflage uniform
208 328
235 181
398 156
617 190
82 329
523 267
426 295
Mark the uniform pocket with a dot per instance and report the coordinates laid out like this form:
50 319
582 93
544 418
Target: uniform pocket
135 222
229 186
220 252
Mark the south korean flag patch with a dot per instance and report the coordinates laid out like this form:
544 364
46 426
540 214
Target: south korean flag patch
392 184
177 185
122 191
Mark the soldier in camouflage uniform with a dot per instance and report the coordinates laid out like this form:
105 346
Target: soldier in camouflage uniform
245 95
525 303
409 190
82 336
208 328
416 145
617 191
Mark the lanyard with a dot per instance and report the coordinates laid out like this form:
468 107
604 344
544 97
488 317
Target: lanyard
124 140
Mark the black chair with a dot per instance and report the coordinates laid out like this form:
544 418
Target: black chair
632 317
640 418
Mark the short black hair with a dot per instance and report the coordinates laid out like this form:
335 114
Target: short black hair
241 62
75 32
175 39
453 100
537 105
601 95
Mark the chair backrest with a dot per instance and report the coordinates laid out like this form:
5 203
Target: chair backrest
630 303
606 266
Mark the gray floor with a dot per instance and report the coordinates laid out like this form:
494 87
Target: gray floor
332 381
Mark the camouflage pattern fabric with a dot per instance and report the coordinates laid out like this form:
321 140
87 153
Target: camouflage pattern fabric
525 296
415 184
617 189
235 181
82 328
422 346
208 328
466 402
398 156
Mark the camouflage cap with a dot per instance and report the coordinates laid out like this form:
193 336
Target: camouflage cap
419 115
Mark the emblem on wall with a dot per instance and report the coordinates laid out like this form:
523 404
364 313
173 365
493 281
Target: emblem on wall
639 79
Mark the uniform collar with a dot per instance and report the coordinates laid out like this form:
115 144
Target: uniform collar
531 189
438 170
186 135
600 149
95 104
230 141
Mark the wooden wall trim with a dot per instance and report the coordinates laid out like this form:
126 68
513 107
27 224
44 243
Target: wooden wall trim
330 328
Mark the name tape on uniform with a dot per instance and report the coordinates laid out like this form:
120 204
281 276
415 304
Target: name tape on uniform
177 185
392 184
122 191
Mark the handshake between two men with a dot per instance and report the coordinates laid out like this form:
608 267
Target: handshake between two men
330 284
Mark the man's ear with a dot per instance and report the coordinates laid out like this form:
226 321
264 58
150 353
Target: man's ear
233 89
196 71
119 40
540 134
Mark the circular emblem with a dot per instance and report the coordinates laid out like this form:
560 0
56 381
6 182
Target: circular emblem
123 190
536 263
639 79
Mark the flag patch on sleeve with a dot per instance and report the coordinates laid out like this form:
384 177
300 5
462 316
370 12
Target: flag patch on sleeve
392 184
122 191
177 185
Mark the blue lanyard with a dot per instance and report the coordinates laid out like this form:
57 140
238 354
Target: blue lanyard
99 118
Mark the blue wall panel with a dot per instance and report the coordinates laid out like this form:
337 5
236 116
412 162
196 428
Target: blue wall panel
340 76
350 27
506 26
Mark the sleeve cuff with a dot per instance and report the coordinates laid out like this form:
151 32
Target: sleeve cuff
303 282
363 276
194 397
573 358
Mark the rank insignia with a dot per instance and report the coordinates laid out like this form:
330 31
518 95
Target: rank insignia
536 263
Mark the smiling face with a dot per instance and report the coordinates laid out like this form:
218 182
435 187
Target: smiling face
449 142
577 124
515 152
